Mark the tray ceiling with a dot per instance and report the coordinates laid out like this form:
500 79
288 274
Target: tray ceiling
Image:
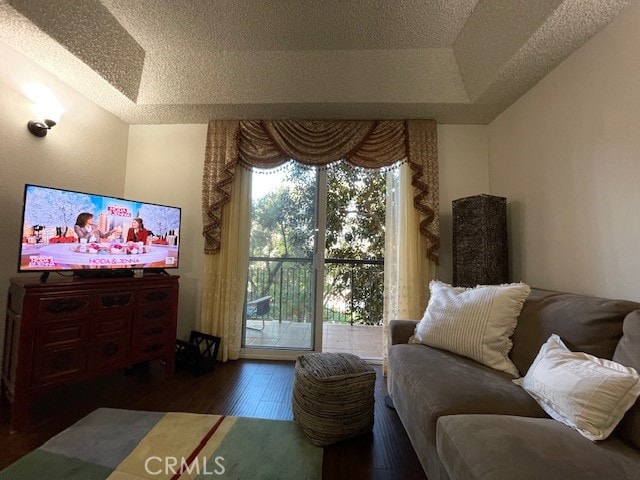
186 61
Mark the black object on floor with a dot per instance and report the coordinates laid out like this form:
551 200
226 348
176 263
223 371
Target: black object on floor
200 353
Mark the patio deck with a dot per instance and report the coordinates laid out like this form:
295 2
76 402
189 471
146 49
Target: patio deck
362 340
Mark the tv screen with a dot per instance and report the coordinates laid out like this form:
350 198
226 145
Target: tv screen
67 230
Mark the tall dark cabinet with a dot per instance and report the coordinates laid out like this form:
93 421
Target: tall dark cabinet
480 250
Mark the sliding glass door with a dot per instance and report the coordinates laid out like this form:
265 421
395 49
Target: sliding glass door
315 261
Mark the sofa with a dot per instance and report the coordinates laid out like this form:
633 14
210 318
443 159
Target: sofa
469 421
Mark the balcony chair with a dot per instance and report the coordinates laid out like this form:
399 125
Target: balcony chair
257 309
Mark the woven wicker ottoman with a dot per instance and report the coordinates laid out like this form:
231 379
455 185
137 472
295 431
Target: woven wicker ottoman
333 396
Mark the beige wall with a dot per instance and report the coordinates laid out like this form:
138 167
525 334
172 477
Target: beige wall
567 156
464 171
86 151
164 165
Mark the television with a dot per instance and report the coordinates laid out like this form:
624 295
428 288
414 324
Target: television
91 234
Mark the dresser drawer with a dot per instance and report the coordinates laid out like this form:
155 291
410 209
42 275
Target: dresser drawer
109 351
63 306
114 301
57 334
158 329
150 348
112 324
59 364
152 315
155 296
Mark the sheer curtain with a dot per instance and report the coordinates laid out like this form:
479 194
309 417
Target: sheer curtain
407 270
225 274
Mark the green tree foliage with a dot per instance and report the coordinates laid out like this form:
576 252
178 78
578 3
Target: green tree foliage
355 213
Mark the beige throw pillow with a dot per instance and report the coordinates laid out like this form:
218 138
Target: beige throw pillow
474 322
585 392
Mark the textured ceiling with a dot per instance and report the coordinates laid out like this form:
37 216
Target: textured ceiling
186 61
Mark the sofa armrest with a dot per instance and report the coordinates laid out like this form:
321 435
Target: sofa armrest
401 330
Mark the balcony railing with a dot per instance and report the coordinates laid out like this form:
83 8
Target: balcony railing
353 289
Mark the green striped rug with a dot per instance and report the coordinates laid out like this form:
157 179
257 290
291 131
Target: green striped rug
133 445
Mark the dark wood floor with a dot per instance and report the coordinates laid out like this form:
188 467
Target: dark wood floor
242 388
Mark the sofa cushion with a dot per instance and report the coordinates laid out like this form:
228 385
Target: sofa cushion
587 393
483 447
474 322
628 353
586 324
430 383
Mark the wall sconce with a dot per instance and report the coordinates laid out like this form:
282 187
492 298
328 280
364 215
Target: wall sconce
40 129
45 107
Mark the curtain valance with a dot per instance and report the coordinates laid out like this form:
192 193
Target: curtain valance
368 144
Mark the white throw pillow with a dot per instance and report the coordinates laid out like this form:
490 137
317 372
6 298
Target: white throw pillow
474 322
585 392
